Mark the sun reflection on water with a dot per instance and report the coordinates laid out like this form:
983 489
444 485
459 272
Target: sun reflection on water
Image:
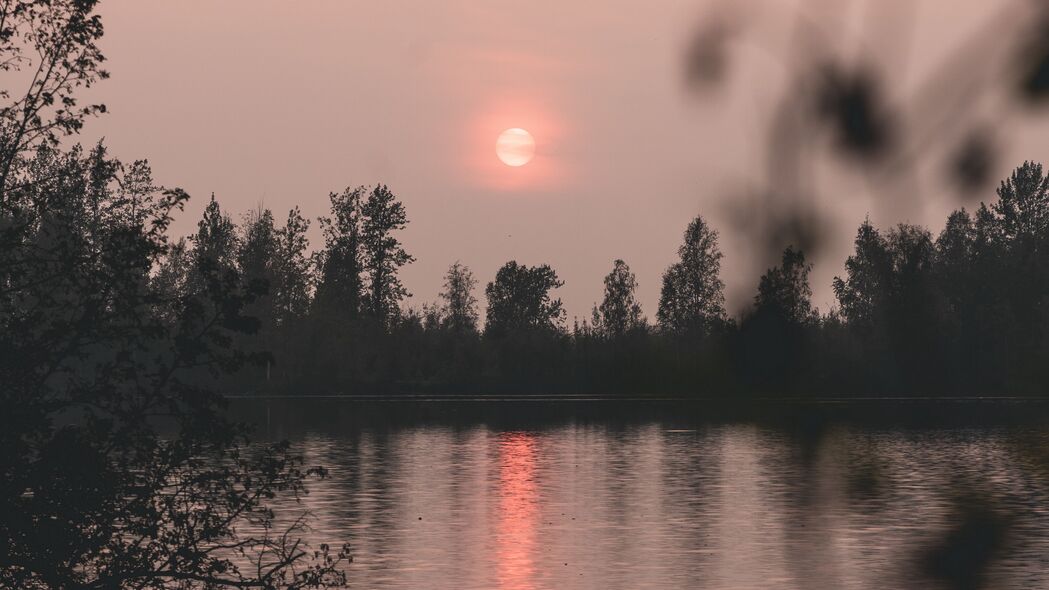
518 511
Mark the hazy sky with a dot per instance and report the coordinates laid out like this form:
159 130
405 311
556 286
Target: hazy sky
282 102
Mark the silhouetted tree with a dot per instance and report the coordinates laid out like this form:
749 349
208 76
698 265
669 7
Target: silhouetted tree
914 309
340 286
868 272
912 256
774 337
54 44
620 311
256 255
519 300
381 215
956 283
987 233
431 317
292 270
1023 203
171 280
911 249
292 280
1013 252
692 299
459 310
784 290
118 471
215 247
954 254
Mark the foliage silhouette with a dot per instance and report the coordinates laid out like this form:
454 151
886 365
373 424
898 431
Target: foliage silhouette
118 466
383 255
692 300
459 312
519 300
620 311
340 287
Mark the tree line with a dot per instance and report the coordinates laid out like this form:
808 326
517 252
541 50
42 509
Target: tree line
964 312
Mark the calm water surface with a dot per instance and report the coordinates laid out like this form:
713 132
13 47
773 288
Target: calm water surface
676 503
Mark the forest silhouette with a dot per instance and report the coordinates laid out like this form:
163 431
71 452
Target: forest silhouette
960 313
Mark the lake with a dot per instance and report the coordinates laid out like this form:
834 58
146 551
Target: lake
520 496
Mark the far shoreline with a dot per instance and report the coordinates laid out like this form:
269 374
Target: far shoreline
573 398
293 416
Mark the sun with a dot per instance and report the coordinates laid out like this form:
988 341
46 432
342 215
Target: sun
515 147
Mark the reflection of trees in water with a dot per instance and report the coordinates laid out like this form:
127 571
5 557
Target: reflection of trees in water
915 509
747 517
690 471
802 471
720 506
468 509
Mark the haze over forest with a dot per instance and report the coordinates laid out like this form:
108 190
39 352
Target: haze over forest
276 103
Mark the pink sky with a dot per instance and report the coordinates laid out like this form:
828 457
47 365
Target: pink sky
281 102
